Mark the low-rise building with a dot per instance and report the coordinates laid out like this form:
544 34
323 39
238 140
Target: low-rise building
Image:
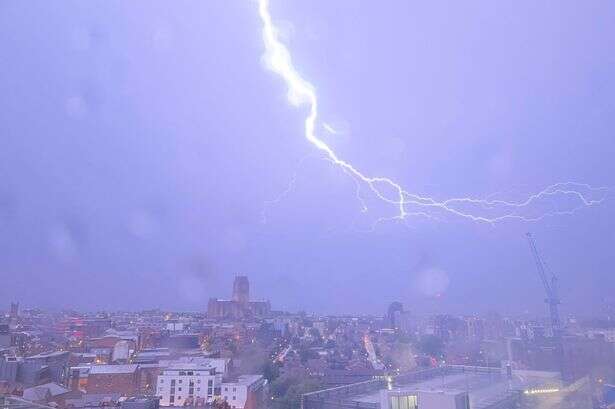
117 379
431 399
46 394
188 384
140 402
245 392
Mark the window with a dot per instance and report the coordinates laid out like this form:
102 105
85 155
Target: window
190 373
179 389
180 381
234 389
198 381
234 397
225 389
181 373
198 389
210 383
404 402
161 380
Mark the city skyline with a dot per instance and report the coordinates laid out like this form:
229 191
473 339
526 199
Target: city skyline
274 204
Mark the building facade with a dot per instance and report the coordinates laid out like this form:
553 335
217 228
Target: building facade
188 385
247 392
239 306
122 380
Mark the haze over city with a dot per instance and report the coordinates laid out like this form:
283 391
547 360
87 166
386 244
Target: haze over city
143 145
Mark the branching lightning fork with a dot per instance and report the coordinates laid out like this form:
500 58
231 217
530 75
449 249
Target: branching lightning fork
302 92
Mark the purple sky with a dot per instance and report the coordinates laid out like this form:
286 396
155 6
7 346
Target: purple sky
140 141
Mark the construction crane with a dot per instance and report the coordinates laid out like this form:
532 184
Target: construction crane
550 284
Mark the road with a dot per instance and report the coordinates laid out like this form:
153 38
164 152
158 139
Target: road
371 353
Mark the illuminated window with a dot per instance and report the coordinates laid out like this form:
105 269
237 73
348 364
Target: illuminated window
404 402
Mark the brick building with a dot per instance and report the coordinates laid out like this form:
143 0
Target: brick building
122 379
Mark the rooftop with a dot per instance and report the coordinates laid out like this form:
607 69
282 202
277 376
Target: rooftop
244 379
47 354
11 402
485 386
113 369
189 366
41 392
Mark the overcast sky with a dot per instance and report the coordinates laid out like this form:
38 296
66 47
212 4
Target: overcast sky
141 145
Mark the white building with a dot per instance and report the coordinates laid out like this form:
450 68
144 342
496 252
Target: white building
432 399
244 393
188 384
221 365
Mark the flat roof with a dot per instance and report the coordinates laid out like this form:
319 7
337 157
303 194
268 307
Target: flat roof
113 369
12 402
47 354
243 380
483 388
153 353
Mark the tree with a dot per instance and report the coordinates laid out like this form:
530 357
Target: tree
221 404
431 345
271 371
315 334
290 388
306 354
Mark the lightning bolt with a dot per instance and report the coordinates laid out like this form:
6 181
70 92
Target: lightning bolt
302 93
285 192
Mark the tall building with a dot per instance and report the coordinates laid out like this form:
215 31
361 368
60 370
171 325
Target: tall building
14 313
241 290
5 336
239 306
399 319
392 312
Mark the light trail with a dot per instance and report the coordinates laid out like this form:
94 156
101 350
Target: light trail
302 92
372 357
